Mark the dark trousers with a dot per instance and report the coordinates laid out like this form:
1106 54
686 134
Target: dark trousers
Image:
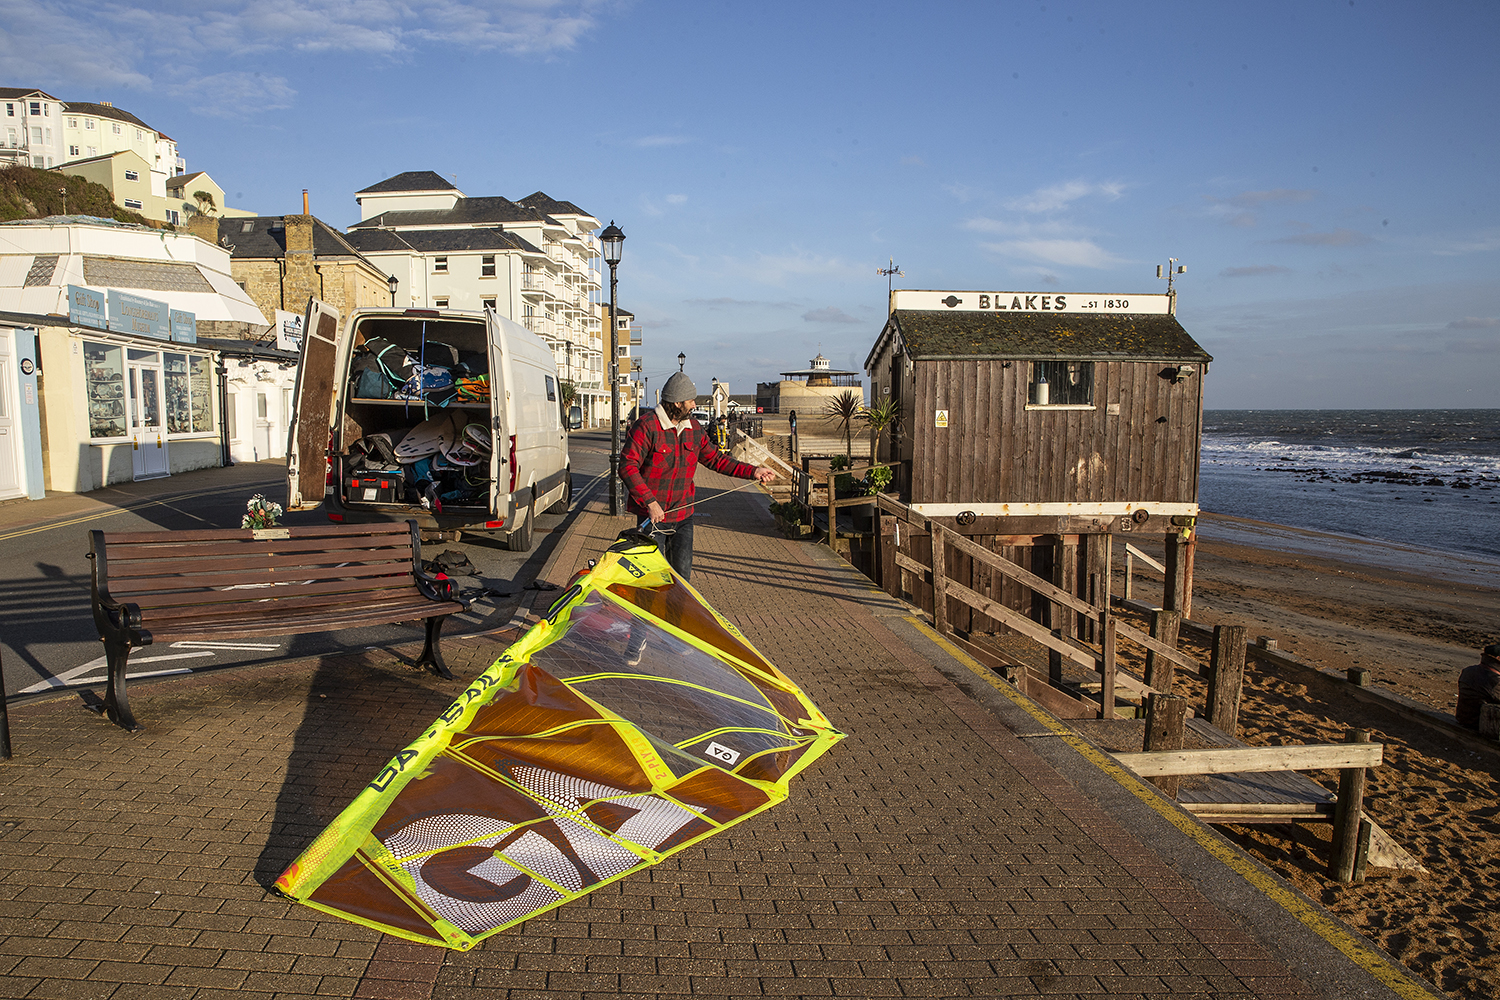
678 546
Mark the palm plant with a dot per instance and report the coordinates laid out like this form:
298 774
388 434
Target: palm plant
846 407
879 417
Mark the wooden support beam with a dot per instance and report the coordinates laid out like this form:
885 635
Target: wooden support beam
1107 665
1075 651
1166 717
1245 760
1174 586
1347 815
1164 625
1226 678
939 580
1011 570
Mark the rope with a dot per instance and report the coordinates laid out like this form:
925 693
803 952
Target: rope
651 527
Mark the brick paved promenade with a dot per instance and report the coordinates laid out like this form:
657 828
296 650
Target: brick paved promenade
951 846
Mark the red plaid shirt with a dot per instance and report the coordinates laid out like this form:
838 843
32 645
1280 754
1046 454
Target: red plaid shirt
658 463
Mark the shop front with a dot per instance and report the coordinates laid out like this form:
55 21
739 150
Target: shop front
20 426
139 408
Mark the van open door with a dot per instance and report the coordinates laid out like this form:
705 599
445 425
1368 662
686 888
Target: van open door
315 406
502 461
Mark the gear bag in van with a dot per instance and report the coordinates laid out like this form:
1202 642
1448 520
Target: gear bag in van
377 368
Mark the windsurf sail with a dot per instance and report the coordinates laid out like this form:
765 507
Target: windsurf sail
632 722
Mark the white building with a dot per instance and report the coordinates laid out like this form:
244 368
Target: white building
534 260
125 389
33 128
41 131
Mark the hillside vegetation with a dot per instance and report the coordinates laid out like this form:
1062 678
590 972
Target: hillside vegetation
28 193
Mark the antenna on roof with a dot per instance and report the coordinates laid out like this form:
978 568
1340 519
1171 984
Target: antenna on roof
888 272
1171 272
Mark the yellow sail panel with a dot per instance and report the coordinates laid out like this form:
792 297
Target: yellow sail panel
631 723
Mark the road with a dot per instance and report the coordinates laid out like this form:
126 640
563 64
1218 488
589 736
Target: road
47 636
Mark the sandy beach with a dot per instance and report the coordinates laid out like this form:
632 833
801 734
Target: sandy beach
1342 603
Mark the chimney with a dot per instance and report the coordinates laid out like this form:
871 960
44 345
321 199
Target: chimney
305 209
299 272
205 227
106 104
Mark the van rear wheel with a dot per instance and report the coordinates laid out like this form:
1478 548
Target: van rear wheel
561 504
519 540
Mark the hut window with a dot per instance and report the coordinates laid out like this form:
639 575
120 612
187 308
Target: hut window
1062 383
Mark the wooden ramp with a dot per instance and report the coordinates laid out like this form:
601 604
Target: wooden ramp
1257 785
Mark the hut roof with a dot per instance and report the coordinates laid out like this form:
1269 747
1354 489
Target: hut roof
1033 335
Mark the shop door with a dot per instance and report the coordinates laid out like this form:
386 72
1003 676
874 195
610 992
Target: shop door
148 432
10 427
262 428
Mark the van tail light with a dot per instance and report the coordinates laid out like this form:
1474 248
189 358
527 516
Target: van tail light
328 462
514 471
336 518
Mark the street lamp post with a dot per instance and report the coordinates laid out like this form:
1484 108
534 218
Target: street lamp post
391 283
613 240
681 360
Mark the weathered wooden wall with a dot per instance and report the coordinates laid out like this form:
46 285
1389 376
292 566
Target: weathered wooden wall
996 450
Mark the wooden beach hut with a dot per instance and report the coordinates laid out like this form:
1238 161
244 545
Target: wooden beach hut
1038 425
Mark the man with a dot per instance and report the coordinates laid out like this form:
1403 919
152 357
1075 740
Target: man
1478 686
661 454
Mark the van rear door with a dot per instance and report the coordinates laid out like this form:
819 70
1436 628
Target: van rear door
502 462
315 406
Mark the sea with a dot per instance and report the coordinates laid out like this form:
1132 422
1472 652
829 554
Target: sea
1408 489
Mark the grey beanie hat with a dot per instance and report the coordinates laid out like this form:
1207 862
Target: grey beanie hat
679 389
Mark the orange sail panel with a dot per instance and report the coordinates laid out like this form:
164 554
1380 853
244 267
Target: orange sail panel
631 723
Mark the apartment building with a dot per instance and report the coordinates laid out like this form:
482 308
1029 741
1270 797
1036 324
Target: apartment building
534 260
42 131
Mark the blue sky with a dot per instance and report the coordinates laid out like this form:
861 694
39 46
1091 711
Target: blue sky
1325 168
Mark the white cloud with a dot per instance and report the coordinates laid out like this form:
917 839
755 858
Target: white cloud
653 141
828 314
1060 196
1337 238
676 199
236 95
1254 271
38 44
1474 323
1064 253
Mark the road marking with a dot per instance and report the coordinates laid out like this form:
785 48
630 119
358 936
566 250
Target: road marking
69 676
1309 914
99 515
255 646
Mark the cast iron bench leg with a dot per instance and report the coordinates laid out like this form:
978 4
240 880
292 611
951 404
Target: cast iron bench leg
116 704
432 654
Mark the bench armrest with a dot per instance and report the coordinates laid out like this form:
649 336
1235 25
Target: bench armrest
430 586
111 617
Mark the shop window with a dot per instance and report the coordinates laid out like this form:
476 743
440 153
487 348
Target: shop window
1062 383
104 376
189 399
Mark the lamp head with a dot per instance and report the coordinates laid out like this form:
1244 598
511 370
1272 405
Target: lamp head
613 240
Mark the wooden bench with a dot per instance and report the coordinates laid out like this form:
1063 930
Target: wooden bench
166 586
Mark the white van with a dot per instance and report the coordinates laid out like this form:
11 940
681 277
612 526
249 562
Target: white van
453 419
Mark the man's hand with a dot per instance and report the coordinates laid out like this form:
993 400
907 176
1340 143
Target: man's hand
764 473
654 511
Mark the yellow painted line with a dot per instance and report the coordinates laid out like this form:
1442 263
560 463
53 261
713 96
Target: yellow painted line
111 512
1310 915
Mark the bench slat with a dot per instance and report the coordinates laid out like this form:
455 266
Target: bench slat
252 599
300 624
332 533
125 555
197 582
